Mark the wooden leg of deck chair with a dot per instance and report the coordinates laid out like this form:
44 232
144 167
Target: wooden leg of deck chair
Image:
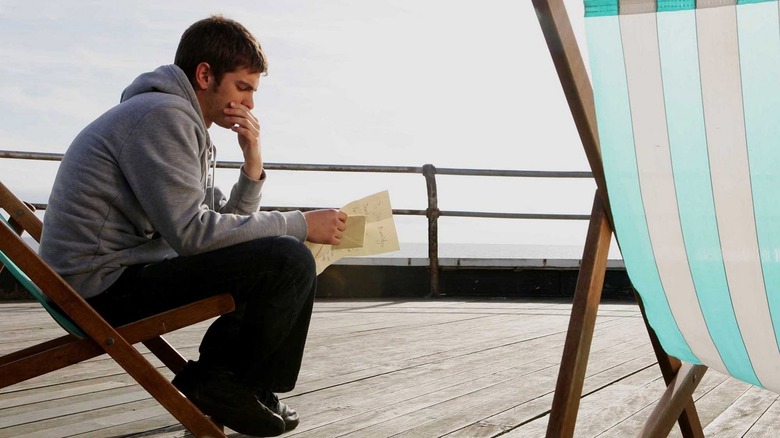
689 422
162 390
587 295
674 401
166 353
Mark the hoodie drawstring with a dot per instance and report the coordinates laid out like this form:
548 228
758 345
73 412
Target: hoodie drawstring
211 175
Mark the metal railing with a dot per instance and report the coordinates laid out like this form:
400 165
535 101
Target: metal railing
428 171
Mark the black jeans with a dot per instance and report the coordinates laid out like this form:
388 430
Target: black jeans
273 282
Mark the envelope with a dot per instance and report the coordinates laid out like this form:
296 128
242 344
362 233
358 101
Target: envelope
354 233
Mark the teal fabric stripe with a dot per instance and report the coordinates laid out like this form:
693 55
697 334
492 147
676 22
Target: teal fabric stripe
36 292
617 147
759 40
600 8
675 5
687 139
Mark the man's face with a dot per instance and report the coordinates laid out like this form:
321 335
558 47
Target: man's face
238 87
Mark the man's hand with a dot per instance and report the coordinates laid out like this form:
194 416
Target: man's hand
325 226
247 127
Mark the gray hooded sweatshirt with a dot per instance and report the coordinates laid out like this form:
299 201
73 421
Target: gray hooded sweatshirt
132 189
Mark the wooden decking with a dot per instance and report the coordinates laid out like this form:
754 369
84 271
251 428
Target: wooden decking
426 368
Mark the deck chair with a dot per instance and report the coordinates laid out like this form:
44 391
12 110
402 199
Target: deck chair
682 132
89 335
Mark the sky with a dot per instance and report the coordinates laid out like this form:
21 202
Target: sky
453 83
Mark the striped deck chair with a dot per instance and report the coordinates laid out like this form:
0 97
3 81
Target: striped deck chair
88 334
686 156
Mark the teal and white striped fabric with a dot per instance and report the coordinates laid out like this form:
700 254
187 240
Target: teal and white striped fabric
688 107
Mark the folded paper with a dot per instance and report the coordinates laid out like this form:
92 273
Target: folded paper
379 233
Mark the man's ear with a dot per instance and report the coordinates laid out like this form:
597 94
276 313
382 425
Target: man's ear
203 75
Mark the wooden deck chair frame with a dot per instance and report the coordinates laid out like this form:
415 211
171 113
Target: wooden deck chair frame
99 336
676 404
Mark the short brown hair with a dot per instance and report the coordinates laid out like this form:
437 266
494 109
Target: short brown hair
225 44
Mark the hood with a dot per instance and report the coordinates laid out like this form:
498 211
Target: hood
168 79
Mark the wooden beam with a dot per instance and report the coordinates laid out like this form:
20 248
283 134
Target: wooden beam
562 43
675 399
587 295
20 213
687 416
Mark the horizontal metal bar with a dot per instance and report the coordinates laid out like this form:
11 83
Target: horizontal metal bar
23 155
394 169
408 212
515 173
478 214
327 167
550 216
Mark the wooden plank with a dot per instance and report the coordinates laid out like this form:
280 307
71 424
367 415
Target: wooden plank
601 382
618 402
714 402
460 368
430 376
373 353
436 403
430 385
96 422
630 425
22 415
469 409
63 391
766 426
739 418
379 362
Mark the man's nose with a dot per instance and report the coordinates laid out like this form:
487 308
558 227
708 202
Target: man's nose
249 102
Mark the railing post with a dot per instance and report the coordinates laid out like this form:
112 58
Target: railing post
429 172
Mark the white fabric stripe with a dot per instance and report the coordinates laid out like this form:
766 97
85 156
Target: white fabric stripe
714 3
724 120
648 114
637 6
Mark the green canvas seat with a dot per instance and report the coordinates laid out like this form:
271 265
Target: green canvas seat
37 293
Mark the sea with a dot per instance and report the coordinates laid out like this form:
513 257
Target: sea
419 250
494 251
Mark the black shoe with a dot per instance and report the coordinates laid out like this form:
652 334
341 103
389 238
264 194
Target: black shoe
227 399
271 401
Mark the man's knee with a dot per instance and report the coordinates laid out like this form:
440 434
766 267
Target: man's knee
297 255
280 268
287 260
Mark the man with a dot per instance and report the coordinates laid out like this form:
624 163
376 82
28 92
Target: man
134 224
